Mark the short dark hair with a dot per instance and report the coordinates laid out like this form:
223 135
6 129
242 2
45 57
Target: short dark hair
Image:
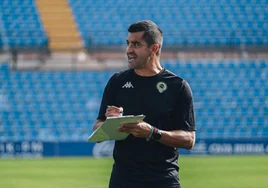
152 33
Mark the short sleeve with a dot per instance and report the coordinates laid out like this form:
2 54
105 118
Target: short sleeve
185 109
108 97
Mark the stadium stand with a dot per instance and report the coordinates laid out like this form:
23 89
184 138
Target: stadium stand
231 100
22 25
230 95
191 22
58 21
1 43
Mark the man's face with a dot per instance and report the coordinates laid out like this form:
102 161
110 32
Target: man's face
137 50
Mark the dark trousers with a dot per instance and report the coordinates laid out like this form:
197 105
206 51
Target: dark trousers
114 185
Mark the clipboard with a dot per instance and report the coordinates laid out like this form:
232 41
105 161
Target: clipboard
107 131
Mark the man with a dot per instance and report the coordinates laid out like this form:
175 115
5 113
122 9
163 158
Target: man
148 157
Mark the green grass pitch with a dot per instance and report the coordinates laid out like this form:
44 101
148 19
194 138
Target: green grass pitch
195 171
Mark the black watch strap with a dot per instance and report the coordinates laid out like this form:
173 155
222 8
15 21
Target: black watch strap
157 134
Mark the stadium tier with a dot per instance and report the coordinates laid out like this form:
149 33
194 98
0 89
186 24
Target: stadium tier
230 98
1 43
191 22
20 24
186 22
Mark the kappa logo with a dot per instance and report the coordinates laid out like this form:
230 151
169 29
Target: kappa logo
128 85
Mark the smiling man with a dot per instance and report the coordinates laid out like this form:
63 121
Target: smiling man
148 157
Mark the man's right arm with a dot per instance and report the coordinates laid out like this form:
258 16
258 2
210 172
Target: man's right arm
111 111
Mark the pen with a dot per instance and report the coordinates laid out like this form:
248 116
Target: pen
121 112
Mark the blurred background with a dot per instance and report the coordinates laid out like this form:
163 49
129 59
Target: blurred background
57 56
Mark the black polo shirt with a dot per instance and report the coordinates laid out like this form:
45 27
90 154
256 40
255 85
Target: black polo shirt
167 102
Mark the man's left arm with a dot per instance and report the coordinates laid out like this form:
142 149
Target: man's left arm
178 138
184 135
175 138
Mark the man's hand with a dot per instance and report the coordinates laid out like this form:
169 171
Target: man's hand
113 111
140 129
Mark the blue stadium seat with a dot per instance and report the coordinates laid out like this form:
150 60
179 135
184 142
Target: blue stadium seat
1 43
22 25
224 107
190 22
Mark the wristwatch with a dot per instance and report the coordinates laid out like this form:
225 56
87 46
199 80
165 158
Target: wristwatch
157 135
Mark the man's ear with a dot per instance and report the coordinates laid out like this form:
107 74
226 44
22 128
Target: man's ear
155 48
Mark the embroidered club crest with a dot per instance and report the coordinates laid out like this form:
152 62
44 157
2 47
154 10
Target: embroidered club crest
161 86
